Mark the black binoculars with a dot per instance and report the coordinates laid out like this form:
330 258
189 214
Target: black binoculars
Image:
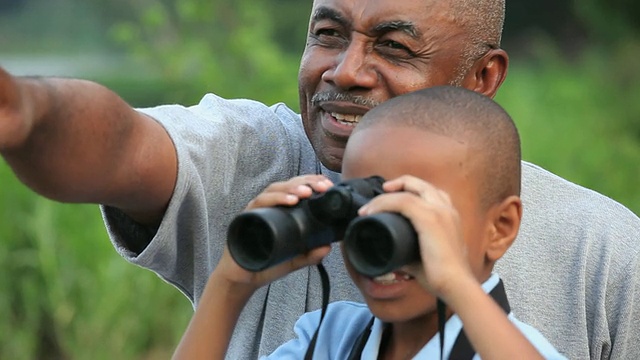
375 244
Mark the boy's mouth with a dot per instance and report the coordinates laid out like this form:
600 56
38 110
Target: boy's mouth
392 278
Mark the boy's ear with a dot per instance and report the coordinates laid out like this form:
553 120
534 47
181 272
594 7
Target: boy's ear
488 73
504 226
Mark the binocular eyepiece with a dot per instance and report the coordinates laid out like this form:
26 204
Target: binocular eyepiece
374 245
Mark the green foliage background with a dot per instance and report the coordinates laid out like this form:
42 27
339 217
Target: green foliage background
66 294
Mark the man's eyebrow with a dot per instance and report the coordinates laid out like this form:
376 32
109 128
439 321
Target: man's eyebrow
326 13
408 27
398 25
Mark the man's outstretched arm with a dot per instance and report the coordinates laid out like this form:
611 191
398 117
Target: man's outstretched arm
76 141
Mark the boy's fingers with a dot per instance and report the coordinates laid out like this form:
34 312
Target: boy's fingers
419 187
316 255
289 192
313 257
302 186
273 199
393 202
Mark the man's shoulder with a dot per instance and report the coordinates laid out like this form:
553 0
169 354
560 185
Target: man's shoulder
214 119
284 111
212 107
542 188
557 208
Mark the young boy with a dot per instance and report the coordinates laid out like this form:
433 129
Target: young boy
452 160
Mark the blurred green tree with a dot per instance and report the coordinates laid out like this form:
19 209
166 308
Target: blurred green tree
64 293
226 47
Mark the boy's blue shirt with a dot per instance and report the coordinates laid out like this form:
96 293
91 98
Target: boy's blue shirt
345 320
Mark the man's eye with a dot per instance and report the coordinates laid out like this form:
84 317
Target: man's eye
394 49
395 45
327 32
328 37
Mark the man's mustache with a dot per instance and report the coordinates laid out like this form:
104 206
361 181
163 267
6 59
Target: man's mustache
343 97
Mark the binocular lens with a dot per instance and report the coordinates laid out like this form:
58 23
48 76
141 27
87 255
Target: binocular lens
255 240
370 245
380 243
262 238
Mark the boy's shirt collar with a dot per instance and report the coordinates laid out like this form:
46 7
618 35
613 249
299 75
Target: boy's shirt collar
431 350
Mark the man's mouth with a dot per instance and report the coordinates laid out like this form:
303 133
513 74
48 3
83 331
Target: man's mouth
346 119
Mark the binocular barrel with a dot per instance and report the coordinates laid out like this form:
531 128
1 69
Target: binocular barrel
375 245
264 237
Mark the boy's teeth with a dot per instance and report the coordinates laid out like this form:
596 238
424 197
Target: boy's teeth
390 278
346 118
386 277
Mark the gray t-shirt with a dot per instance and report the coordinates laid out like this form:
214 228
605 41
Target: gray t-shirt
573 272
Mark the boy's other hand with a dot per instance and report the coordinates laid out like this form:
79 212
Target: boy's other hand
238 278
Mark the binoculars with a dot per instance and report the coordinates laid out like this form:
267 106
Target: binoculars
375 244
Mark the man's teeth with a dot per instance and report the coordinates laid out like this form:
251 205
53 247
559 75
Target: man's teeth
390 278
347 119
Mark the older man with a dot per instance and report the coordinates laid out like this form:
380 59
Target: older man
171 178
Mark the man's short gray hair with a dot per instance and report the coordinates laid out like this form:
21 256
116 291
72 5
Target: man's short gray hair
483 21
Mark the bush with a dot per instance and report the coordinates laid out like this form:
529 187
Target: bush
581 119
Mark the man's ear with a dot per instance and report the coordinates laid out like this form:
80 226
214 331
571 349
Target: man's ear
488 73
505 223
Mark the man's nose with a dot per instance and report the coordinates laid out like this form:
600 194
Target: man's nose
353 68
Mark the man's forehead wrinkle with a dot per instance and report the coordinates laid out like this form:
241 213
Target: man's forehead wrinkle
407 27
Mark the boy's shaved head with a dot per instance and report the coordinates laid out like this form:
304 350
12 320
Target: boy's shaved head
466 116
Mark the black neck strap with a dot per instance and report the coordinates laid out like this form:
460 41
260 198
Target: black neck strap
324 277
462 349
442 319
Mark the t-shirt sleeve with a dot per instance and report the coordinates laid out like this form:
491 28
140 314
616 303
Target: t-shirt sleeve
227 151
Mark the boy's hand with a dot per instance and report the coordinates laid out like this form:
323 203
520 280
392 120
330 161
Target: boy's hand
287 193
437 224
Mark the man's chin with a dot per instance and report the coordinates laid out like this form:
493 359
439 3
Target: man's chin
332 159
